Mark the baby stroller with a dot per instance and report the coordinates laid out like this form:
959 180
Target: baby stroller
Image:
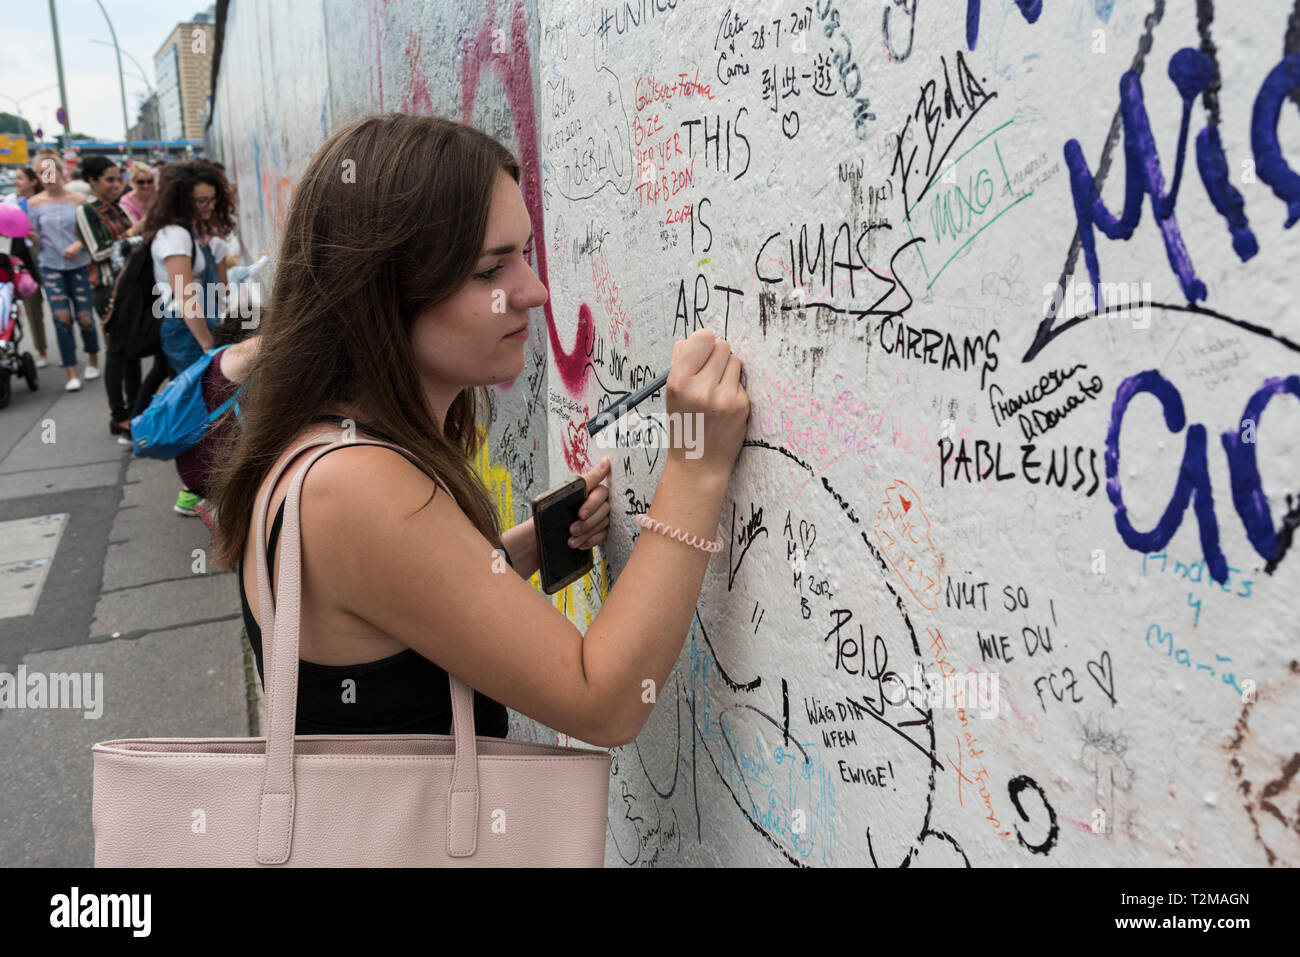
14 284
13 360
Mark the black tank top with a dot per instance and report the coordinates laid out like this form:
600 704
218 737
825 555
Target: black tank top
405 693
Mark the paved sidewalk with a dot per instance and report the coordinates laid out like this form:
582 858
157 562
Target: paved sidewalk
123 589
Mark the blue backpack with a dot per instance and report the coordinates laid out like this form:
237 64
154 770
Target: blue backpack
178 417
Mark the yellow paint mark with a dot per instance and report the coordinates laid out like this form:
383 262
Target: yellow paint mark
500 486
496 478
706 259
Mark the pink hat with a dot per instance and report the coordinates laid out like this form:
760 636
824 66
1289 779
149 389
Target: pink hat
13 221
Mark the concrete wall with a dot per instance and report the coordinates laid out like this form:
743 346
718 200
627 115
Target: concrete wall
959 463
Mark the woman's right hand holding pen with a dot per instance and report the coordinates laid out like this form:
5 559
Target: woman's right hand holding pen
711 406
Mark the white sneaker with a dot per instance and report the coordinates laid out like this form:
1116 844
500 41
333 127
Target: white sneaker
74 385
42 363
92 372
123 440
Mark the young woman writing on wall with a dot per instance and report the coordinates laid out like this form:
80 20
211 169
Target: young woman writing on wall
382 312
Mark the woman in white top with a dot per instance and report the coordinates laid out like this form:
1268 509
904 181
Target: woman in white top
193 205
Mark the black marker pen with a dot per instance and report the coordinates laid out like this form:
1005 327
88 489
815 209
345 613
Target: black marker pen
625 405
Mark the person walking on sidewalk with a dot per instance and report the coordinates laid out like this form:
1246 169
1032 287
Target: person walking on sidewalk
28 184
385 318
139 198
64 262
137 202
192 204
102 223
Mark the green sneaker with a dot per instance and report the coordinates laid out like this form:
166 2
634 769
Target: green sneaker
186 502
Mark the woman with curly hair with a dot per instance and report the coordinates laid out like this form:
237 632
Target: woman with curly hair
193 205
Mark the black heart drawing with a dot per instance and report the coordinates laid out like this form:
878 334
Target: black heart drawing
785 124
807 535
1104 675
653 446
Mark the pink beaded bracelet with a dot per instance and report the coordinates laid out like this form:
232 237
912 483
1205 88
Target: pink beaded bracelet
645 521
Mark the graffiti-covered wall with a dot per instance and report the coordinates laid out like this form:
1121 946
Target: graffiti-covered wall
1007 576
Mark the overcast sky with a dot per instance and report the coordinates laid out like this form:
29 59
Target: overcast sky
90 69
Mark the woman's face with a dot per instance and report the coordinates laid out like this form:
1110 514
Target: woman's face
143 183
50 171
204 196
109 185
461 342
24 183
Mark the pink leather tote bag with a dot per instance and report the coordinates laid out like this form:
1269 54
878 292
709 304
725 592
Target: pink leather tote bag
343 800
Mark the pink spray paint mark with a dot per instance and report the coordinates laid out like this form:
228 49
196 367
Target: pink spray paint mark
377 75
577 453
515 69
417 100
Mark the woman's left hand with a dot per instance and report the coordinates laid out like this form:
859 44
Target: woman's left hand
73 251
592 527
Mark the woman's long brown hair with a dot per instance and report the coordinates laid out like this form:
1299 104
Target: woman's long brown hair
387 220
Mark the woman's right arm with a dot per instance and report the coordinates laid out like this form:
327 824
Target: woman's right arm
429 578
238 359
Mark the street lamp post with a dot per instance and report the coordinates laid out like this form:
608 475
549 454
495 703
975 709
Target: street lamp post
143 79
121 80
63 90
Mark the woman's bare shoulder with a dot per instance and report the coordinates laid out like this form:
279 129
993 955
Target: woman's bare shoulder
366 471
363 471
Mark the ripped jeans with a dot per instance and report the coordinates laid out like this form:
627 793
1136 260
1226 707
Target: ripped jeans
68 291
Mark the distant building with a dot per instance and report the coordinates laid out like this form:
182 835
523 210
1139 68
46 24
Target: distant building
148 127
183 66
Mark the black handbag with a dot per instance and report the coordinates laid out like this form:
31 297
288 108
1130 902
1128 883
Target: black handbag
133 312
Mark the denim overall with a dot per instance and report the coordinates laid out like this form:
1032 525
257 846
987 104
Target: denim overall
178 343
